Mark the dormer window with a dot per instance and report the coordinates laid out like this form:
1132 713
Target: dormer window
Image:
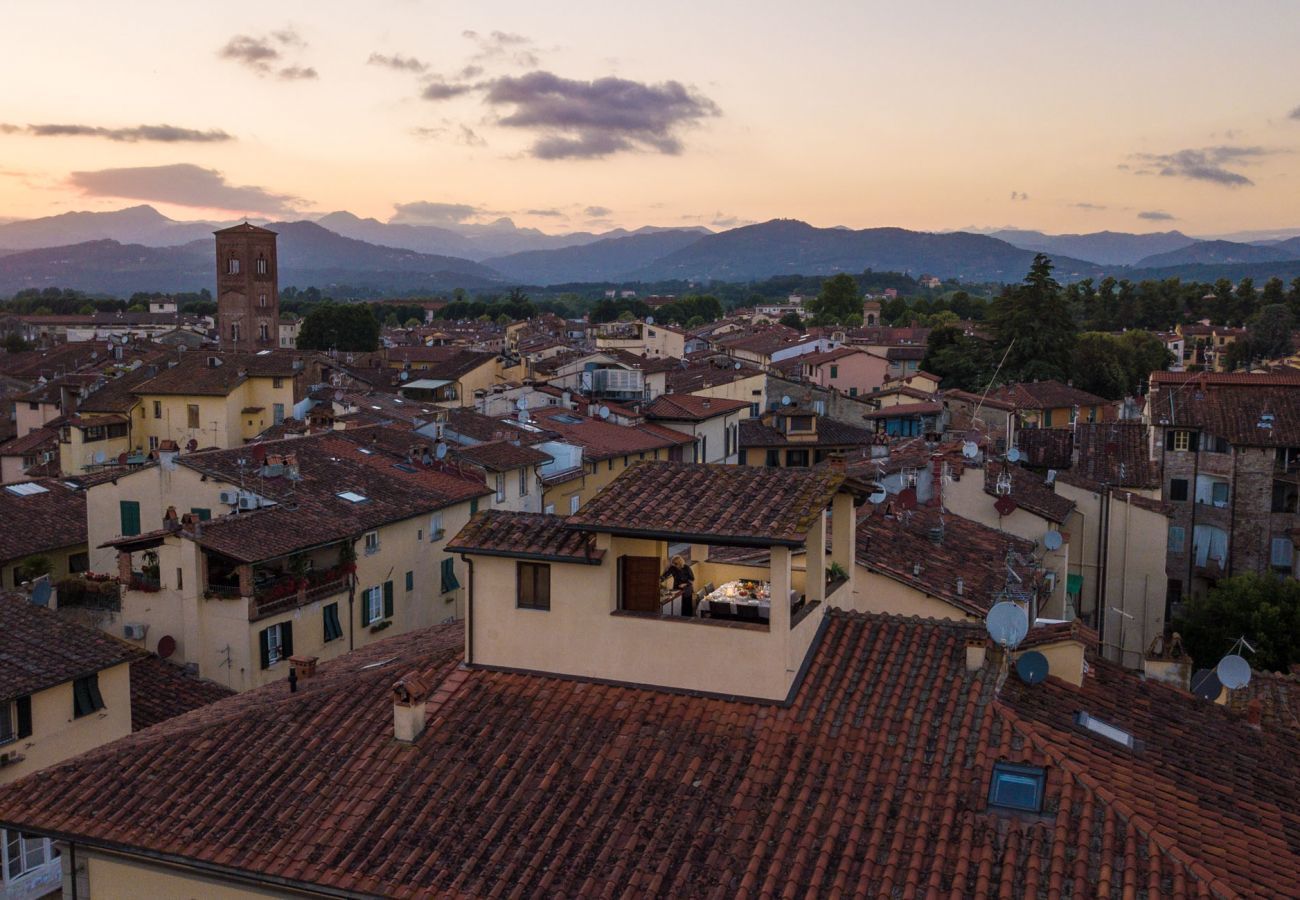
1017 787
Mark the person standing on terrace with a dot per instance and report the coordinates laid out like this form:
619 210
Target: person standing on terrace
683 581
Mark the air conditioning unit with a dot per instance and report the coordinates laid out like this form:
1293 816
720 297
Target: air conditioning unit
248 501
230 498
134 631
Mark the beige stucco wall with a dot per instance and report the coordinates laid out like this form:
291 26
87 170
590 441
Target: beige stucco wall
1135 580
881 594
593 480
59 565
76 455
57 735
221 420
154 488
747 390
581 634
115 877
711 437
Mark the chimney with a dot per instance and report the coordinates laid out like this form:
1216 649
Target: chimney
408 707
976 652
1254 712
304 666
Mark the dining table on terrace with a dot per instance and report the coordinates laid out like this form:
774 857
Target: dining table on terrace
739 600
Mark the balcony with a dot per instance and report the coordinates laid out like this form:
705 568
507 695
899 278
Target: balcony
87 592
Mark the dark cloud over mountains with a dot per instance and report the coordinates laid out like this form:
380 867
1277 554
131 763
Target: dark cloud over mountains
183 184
1204 164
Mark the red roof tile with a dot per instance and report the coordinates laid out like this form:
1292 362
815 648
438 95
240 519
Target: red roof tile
525 536
53 519
161 690
691 407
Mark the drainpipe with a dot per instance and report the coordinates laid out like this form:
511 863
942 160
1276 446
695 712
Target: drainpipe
1123 583
1104 541
469 610
1191 555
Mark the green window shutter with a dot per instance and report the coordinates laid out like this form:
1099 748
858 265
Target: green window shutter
473 506
203 514
449 580
130 517
92 683
265 647
410 581
365 607
24 705
333 630
286 640
388 599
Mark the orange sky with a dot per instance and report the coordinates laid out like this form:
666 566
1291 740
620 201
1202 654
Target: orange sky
1128 116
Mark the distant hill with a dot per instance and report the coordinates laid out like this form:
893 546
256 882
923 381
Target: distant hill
1216 252
605 260
788 246
1260 272
134 225
1109 248
308 255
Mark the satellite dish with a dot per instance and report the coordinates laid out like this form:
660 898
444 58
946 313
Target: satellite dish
970 449
440 451
100 457
521 403
1013 455
878 497
603 412
402 376
41 591
1206 685
1032 667
166 646
1005 506
1052 540
1007 624
786 401
736 367
649 320
1233 672
121 459
192 445
907 498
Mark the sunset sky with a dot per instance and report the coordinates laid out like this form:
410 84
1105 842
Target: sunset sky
1133 116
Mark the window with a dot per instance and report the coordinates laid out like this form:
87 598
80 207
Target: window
435 526
574 501
234 331
773 458
157 409
153 442
1219 494
1017 787
447 572
534 586
372 542
501 487
261 298
277 413
15 719
1178 489
801 423
1180 441
277 383
523 482
333 629
1283 554
835 371
1284 497
33 404
1105 729
203 513
796 457
276 643
192 415
86 698
1092 414
1177 537
853 392
261 269
611 464
78 562
263 332
130 510
24 853
473 506
549 509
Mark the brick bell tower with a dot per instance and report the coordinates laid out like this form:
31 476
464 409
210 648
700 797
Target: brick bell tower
248 295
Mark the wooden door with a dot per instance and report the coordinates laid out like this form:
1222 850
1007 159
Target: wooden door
640 583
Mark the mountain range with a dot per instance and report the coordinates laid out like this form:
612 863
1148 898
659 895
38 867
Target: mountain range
139 249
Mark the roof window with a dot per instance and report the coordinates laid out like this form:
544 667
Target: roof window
352 496
26 489
1105 729
1017 787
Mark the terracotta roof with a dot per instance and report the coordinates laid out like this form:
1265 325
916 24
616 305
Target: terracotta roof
720 503
905 353
53 362
1216 379
43 438
1047 395
1277 695
53 519
977 399
875 781
194 374
705 372
440 362
826 356
525 536
923 408
603 440
1045 448
1030 491
40 649
1114 453
502 456
1234 411
245 228
903 546
161 690
691 407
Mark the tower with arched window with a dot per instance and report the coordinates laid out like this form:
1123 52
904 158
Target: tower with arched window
248 297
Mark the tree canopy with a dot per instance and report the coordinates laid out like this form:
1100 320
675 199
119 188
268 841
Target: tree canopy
1033 327
1264 609
340 326
838 299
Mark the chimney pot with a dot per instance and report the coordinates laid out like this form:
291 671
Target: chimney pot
976 653
408 707
305 666
1254 710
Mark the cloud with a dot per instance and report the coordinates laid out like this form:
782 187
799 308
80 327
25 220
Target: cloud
439 89
423 212
166 134
597 212
1204 164
263 54
398 62
721 221
1090 207
183 184
591 119
1294 114
1155 215
498 45
470 138
550 213
471 72
1019 195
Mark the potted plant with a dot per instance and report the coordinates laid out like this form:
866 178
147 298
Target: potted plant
835 572
347 557
298 570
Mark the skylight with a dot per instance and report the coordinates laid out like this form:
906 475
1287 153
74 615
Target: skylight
26 489
352 496
1105 729
1017 787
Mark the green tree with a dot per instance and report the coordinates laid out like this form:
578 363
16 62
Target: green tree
1098 366
340 326
792 320
1142 353
1032 326
960 360
14 343
1269 332
1264 609
837 300
1245 300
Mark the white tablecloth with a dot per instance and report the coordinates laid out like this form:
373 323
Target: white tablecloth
727 593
